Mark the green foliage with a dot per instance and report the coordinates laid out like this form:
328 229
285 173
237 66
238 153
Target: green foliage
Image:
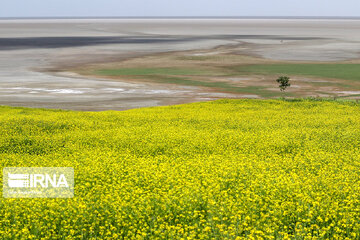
333 70
284 82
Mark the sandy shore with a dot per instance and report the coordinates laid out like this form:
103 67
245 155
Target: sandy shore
29 48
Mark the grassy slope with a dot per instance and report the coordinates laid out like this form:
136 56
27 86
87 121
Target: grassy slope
339 71
347 74
187 77
204 170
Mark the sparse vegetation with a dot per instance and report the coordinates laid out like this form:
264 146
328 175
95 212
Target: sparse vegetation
221 71
153 71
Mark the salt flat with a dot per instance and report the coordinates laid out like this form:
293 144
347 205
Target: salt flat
31 49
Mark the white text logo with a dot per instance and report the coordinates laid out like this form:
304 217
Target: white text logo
38 182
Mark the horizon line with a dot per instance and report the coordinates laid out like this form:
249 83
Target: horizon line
180 17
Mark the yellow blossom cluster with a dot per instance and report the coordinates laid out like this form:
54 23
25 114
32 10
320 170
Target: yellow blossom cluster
228 169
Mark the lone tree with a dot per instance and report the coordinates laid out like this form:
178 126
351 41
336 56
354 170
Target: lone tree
284 82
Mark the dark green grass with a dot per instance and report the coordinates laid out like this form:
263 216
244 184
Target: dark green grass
338 71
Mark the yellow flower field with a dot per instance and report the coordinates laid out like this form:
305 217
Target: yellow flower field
229 169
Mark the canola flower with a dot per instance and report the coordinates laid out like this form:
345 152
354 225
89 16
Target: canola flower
228 169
